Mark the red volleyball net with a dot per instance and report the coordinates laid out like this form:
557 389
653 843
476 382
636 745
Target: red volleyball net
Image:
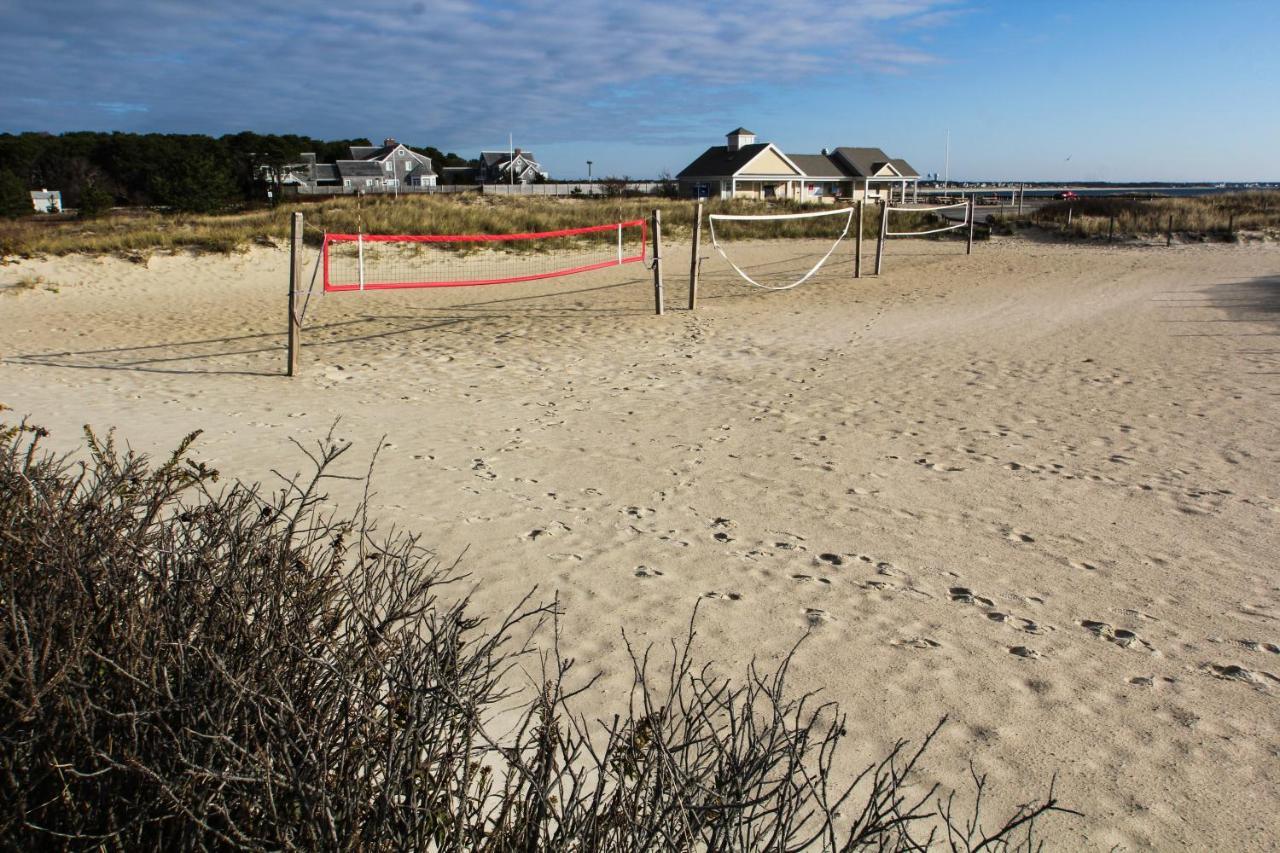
389 262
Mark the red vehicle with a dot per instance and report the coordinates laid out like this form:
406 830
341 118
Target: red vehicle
1068 195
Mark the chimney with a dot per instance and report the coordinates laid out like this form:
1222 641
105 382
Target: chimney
389 141
519 152
825 152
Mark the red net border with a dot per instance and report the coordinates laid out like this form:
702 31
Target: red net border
480 238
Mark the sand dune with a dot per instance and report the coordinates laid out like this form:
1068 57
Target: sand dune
1035 488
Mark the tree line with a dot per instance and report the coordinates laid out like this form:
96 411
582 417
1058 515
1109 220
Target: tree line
187 172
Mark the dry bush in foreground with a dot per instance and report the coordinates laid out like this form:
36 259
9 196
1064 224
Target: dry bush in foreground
187 668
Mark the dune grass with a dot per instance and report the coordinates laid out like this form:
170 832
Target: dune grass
1202 217
139 234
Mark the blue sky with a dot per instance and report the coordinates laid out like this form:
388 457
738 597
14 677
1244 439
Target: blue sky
1121 90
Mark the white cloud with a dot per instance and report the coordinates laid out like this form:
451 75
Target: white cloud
459 70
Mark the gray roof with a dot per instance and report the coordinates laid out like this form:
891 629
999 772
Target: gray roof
739 131
718 161
359 169
819 166
326 172
863 162
364 152
904 167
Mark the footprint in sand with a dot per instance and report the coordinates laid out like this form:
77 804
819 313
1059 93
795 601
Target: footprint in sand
1122 637
964 595
723 596
1015 536
816 617
918 643
1255 646
832 559
638 512
1024 652
1235 672
646 572
721 536
1082 565
808 578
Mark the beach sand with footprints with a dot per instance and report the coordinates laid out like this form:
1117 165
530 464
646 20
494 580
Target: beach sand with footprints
1035 489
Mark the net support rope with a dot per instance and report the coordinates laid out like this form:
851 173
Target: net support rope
780 217
931 209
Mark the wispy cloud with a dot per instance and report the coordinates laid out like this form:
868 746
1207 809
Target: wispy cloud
446 69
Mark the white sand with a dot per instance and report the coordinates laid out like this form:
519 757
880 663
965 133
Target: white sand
1073 434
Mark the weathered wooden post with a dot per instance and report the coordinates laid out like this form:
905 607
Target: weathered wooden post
1231 225
295 282
1111 228
968 250
884 226
657 261
1022 192
1168 232
1070 212
693 257
857 252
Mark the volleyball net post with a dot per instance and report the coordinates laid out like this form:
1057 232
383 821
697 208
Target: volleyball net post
857 252
295 284
693 255
657 262
968 249
884 229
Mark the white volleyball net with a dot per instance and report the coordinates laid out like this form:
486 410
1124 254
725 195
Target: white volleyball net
729 231
928 219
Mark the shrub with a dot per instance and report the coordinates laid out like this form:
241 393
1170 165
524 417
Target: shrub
186 668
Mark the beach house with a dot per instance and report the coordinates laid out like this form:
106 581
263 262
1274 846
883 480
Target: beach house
387 168
745 168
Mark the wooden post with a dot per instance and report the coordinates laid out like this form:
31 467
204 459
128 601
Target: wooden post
968 250
693 256
857 252
1231 225
295 282
657 262
1111 228
884 226
1022 191
1168 232
1070 212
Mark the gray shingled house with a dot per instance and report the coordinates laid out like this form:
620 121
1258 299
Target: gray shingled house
744 168
386 168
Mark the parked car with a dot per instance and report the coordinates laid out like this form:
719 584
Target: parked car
1068 195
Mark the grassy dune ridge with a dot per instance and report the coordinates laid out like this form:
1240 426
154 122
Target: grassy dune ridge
141 234
1202 216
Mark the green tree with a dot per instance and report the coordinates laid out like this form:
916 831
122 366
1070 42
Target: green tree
15 200
94 201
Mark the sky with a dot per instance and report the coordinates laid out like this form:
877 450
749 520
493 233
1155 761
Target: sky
1125 90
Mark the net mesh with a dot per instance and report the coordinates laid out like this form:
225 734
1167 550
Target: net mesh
825 224
388 262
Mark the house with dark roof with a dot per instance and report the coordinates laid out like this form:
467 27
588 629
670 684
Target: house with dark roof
387 168
744 168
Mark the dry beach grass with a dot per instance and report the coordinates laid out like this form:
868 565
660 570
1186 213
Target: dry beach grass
1033 488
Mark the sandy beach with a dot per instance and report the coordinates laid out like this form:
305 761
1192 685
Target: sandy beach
1034 489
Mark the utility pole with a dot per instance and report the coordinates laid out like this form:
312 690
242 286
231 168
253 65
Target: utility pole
590 188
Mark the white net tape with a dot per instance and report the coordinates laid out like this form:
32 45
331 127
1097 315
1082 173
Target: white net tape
914 209
781 217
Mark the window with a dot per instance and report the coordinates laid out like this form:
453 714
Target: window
391 182
368 182
408 167
346 182
390 166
